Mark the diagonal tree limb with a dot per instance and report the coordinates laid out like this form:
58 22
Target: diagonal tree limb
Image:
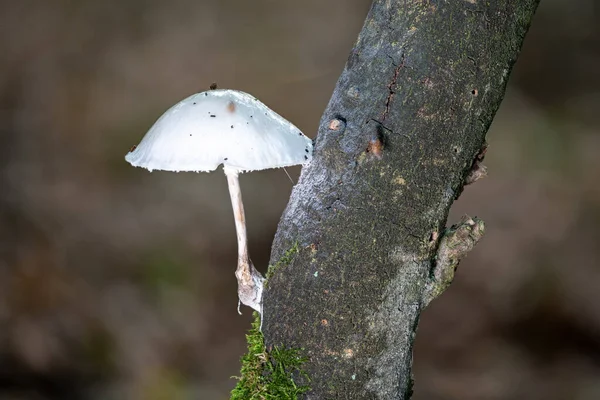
405 125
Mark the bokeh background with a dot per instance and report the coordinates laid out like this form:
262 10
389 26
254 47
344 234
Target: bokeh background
116 283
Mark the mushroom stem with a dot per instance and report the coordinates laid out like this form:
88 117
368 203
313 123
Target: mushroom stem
250 281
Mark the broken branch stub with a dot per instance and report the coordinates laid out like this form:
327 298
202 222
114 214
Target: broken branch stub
455 244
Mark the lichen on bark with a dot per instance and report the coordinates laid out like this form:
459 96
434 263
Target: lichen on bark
287 258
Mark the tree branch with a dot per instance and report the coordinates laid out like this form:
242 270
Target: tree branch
403 130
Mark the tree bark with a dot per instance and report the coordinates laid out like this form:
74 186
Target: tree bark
403 130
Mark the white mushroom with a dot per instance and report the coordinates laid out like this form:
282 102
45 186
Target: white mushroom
226 127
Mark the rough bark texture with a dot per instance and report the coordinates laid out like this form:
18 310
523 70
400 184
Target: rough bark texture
401 133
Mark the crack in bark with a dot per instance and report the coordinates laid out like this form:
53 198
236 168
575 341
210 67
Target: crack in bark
392 87
381 124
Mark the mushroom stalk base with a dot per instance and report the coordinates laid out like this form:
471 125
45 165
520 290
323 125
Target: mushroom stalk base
250 281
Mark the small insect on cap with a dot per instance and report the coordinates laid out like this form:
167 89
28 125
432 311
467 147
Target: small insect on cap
216 127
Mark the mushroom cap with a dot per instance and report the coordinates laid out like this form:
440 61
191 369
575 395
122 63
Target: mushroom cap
216 127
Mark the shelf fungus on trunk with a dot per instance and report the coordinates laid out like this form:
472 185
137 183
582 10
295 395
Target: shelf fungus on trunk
231 128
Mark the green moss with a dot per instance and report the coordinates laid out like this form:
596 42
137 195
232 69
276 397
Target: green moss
287 258
268 374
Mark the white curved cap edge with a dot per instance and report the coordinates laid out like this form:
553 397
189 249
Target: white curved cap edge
221 127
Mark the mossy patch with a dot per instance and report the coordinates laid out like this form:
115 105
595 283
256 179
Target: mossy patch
268 374
286 259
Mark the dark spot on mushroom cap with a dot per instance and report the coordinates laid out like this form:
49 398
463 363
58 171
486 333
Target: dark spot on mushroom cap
300 133
213 116
306 150
251 116
133 148
206 94
231 126
190 134
306 157
194 103
225 159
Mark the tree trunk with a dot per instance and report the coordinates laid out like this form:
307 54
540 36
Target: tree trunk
403 131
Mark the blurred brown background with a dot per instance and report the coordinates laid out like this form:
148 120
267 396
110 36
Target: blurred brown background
116 283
